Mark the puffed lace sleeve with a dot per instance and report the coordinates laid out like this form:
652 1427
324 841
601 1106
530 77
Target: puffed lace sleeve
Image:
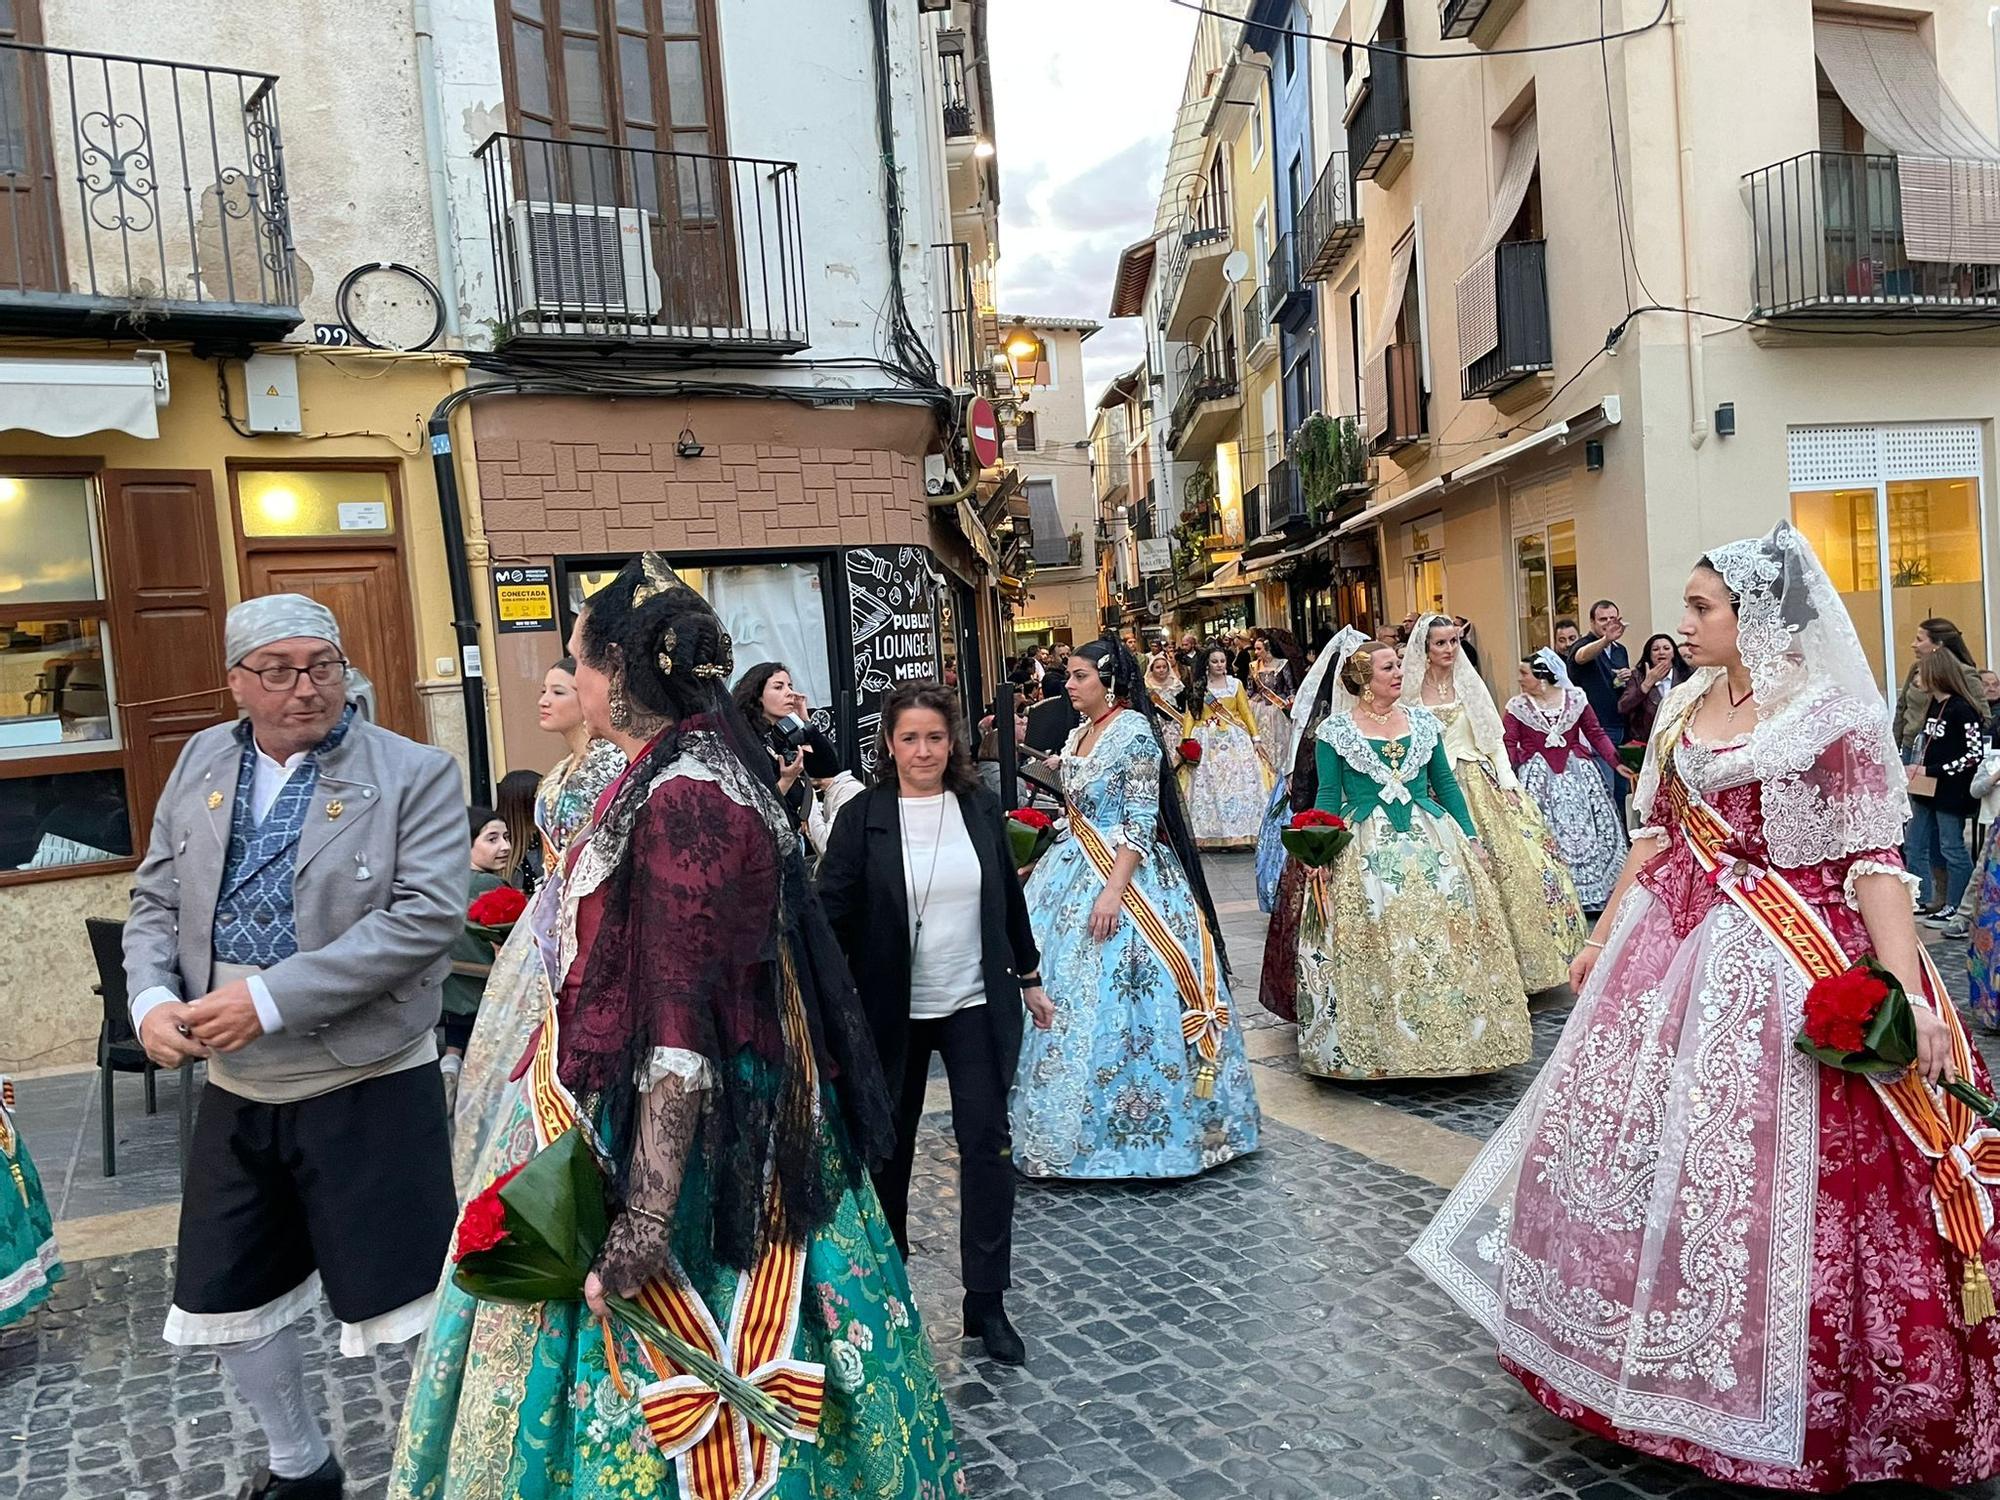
1136 793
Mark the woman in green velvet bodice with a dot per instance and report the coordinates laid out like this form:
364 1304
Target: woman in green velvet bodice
1411 974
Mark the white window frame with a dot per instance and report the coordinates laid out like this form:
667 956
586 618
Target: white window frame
1875 474
93 505
1257 129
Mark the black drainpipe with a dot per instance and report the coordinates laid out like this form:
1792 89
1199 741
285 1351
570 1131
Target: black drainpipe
471 673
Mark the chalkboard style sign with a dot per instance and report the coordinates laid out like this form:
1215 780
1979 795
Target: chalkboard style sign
893 623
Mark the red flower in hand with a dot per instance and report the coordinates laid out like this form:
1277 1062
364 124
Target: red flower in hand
1190 751
484 1222
500 907
1840 1007
1312 817
1029 817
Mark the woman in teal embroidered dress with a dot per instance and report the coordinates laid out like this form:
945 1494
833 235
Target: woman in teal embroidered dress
1415 975
28 1263
720 1056
1113 1088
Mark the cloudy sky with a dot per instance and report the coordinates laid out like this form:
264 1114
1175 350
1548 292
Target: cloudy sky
1087 91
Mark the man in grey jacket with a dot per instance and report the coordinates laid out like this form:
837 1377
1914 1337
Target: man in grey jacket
290 925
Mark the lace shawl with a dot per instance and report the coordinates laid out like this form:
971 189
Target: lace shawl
1351 745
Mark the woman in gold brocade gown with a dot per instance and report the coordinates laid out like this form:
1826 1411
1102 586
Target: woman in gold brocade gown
1536 892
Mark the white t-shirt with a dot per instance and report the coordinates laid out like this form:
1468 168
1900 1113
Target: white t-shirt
938 859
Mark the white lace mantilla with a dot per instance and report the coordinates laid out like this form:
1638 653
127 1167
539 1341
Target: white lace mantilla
1345 736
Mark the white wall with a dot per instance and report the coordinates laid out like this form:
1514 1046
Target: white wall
799 86
349 113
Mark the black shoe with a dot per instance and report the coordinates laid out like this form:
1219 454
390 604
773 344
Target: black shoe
324 1483
986 1320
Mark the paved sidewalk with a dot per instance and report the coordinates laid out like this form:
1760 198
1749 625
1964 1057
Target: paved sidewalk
1255 1333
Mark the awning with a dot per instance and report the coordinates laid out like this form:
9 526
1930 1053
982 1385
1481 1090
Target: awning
1226 582
975 535
1948 167
1133 277
1290 554
1607 412
70 397
1478 300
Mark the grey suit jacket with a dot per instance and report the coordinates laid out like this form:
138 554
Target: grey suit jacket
379 892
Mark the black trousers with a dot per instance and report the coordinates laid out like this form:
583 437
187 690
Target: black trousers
985 1150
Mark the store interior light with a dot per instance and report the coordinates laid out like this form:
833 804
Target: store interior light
279 506
11 490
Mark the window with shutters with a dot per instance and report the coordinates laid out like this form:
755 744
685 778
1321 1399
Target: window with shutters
90 720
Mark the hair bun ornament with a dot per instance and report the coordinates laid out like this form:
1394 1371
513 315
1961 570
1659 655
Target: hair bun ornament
669 639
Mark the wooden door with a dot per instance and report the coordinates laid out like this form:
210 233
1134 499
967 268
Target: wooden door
166 621
364 588
30 231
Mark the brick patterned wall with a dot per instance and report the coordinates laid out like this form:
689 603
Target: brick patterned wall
544 497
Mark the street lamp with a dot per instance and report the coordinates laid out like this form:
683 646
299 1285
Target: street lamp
1024 353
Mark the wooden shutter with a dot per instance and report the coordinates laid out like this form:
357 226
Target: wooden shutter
167 604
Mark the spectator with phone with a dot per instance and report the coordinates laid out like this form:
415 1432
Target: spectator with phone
779 716
1601 667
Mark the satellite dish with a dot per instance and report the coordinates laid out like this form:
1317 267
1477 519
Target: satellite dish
1236 266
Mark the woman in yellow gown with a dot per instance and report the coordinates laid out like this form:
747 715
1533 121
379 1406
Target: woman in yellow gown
1536 891
1228 789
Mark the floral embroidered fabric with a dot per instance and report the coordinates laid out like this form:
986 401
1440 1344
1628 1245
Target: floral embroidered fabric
1692 1238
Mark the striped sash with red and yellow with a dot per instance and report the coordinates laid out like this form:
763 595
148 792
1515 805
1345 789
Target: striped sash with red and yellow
1204 1011
717 1453
1963 1150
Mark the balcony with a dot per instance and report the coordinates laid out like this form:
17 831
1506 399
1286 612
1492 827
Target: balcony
1398 405
1284 499
1511 287
1378 127
1199 244
1329 224
1208 400
962 354
1481 20
1830 242
1255 337
142 199
955 101
1282 283
622 245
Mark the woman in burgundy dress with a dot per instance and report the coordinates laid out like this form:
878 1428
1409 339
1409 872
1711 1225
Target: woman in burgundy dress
1691 1237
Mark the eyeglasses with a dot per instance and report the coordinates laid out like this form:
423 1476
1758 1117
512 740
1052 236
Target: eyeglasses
284 679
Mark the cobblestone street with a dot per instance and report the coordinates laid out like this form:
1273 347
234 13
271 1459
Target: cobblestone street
1255 1333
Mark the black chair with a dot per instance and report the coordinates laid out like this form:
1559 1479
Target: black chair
118 1049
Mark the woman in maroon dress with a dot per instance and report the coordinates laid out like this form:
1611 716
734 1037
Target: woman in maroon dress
1691 1237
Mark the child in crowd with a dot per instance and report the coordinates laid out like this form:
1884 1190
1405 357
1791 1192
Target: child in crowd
471 954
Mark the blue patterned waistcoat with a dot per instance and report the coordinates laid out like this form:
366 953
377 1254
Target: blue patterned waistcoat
254 922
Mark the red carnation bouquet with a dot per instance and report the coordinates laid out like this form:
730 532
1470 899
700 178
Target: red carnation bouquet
1029 834
1315 839
1861 1021
533 1236
493 915
1189 751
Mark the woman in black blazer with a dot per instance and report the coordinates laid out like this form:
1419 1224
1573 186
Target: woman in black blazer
919 882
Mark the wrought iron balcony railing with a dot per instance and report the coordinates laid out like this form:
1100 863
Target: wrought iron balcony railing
1211 376
1329 222
1511 286
1284 497
1382 123
962 363
957 103
624 244
1282 281
141 196
1204 226
1830 238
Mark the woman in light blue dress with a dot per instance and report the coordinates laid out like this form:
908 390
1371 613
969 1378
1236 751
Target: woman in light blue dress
1143 1073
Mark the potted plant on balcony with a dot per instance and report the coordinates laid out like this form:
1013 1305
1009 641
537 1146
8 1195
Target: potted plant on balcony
1331 457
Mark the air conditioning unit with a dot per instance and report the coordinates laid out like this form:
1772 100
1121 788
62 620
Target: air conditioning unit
578 261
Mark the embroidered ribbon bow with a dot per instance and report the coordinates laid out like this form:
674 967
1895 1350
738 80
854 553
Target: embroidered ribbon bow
1735 868
1395 790
1554 739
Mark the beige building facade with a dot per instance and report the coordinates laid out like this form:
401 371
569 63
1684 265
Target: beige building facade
1051 452
1791 316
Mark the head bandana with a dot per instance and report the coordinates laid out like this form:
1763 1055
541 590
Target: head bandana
256 623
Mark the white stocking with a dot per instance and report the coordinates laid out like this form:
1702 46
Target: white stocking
270 1373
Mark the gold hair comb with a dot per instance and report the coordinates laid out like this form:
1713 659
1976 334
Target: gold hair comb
659 578
667 643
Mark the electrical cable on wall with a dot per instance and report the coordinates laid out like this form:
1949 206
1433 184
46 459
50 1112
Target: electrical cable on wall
1388 51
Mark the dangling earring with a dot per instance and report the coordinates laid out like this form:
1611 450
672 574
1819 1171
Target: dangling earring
621 711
